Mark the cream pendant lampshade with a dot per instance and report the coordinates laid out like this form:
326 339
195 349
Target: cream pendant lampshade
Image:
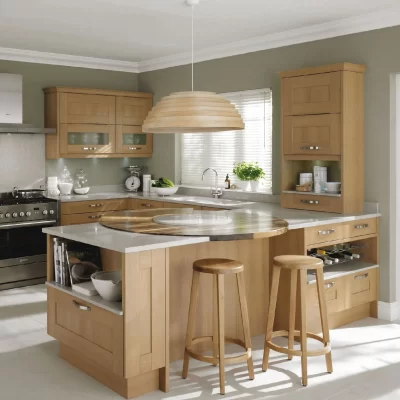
191 112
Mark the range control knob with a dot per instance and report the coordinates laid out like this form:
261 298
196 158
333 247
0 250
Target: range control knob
21 214
51 212
1 215
44 212
8 215
15 215
28 214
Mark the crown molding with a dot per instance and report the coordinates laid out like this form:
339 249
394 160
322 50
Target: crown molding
39 57
377 20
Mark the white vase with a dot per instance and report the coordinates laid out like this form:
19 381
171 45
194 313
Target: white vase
245 185
255 186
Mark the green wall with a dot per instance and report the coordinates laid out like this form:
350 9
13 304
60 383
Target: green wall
39 76
377 49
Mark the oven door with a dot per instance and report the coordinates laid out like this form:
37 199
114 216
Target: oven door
23 253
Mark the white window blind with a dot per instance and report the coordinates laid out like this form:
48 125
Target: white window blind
221 150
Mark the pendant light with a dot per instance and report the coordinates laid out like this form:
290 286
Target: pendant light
191 112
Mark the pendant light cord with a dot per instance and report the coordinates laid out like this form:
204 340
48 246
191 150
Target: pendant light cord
192 43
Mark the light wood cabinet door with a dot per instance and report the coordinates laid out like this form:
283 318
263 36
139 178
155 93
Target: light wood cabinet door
131 140
312 134
132 111
95 333
87 109
87 139
312 94
361 288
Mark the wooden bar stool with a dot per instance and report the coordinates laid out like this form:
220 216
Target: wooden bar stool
295 264
218 267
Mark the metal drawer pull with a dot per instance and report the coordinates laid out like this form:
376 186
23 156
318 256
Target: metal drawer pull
361 276
89 148
310 148
327 232
96 205
361 226
146 205
80 306
94 216
329 285
135 148
310 201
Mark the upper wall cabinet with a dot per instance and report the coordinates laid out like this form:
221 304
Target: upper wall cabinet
94 123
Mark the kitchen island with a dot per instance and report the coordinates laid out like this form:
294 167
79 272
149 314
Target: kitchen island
127 346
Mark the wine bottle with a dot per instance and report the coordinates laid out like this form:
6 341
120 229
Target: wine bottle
326 262
342 257
351 254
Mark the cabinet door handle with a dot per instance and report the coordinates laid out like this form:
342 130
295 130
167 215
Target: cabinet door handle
310 201
361 276
81 306
89 148
362 226
327 232
329 285
146 205
135 148
310 147
94 216
96 205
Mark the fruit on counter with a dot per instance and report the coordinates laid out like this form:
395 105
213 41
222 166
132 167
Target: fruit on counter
163 183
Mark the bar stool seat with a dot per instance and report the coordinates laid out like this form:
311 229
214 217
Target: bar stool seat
218 267
298 265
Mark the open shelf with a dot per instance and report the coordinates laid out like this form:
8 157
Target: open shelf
312 193
341 269
98 301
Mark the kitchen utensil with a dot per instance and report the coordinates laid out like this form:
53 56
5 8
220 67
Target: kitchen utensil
103 281
65 182
27 193
133 182
317 179
84 190
306 187
65 188
82 271
166 191
305 177
146 183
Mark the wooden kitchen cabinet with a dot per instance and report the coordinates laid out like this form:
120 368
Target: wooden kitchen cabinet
148 204
92 123
322 114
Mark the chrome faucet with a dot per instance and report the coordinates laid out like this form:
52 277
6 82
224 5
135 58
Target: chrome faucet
216 191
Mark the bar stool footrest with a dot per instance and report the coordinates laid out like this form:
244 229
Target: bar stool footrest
309 353
215 360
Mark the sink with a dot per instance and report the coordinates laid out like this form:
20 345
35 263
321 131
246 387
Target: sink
204 218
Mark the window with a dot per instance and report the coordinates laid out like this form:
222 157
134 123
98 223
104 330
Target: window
221 150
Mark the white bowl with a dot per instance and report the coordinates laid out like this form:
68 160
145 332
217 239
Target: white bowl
108 284
83 190
333 186
82 272
166 191
65 188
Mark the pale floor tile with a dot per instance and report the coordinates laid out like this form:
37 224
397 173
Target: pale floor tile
366 360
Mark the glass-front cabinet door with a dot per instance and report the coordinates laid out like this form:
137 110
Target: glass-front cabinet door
131 140
87 139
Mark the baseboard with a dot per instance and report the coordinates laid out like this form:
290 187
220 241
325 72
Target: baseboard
388 311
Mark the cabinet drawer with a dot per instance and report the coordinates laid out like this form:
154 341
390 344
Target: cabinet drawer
311 202
146 204
312 94
95 333
87 109
76 219
361 287
362 227
324 233
334 295
312 134
80 207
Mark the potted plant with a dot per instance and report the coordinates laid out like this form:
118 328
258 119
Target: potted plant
250 173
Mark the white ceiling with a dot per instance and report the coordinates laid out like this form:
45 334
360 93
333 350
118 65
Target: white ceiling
145 32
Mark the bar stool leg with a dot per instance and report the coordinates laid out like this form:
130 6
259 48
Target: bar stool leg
292 309
215 317
191 319
324 318
303 327
245 320
271 313
221 332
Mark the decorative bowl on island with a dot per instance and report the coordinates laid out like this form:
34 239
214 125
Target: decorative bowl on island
108 284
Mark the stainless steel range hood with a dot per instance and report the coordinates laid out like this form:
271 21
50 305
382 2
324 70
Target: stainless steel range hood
11 107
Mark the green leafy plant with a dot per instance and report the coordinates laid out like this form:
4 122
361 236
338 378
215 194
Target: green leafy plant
163 183
248 171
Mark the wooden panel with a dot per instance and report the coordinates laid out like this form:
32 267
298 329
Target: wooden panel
87 109
78 207
50 121
313 94
301 202
132 111
144 291
66 89
353 142
323 69
325 233
312 134
149 204
67 148
362 227
96 333
122 130
76 219
49 258
361 288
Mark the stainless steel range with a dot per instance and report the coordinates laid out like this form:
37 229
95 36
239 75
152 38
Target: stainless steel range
23 214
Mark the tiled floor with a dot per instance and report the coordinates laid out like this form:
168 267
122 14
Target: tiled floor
366 360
